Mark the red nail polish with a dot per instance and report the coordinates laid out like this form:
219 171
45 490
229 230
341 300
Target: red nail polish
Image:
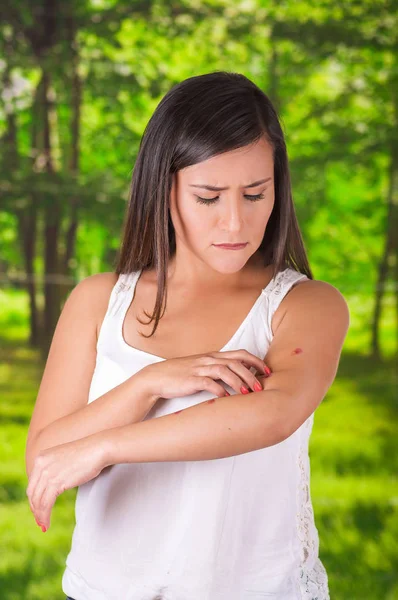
227 393
257 387
267 370
43 528
244 390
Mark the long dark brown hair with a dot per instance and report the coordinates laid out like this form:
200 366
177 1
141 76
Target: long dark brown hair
197 119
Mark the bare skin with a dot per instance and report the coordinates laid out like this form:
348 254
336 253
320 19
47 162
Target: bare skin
206 285
193 325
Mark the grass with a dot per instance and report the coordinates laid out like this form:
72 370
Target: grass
354 466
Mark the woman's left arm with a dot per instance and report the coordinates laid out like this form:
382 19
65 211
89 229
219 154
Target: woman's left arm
303 356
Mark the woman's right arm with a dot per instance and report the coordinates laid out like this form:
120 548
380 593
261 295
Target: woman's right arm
61 413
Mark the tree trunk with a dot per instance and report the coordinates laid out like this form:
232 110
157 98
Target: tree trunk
26 218
74 202
52 222
27 224
390 252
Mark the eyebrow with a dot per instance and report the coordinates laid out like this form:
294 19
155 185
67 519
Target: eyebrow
213 188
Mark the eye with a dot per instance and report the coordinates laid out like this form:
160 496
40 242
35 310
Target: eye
213 200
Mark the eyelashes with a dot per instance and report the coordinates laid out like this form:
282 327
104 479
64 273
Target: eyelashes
214 200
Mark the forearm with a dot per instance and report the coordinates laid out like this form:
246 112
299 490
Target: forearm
226 427
126 403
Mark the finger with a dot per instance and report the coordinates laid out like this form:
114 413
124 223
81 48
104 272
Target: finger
245 357
235 374
248 378
33 492
257 362
209 385
247 365
33 479
47 502
37 495
258 372
225 373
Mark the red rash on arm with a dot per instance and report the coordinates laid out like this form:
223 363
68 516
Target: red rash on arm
207 402
295 351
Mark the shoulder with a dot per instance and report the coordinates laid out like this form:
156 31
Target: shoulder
97 286
93 293
313 291
310 297
305 351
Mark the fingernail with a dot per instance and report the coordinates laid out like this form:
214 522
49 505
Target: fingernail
43 528
257 386
244 390
227 393
267 370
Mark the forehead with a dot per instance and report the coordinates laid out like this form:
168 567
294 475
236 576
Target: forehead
240 166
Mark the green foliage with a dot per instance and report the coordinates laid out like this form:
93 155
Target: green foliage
331 70
354 467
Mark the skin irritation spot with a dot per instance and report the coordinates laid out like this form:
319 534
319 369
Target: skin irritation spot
297 351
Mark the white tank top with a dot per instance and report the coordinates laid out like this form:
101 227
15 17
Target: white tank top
236 528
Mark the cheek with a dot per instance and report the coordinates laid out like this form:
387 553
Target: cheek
263 208
267 208
191 222
258 221
198 221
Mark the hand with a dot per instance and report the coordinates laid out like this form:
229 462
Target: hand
186 375
59 468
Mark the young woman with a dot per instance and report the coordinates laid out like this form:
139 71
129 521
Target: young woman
187 488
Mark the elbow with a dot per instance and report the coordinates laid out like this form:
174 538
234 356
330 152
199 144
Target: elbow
286 430
275 434
290 424
275 426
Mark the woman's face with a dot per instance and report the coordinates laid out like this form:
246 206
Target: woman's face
237 213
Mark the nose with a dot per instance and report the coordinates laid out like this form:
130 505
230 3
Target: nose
232 215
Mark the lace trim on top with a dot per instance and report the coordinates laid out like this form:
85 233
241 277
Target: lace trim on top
122 284
283 278
313 580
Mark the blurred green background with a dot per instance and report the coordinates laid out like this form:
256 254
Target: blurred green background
79 81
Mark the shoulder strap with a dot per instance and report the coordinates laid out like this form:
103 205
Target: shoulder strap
124 289
280 286
120 297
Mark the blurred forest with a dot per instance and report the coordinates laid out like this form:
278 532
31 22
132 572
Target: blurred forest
79 82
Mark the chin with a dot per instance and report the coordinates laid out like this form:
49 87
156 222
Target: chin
228 268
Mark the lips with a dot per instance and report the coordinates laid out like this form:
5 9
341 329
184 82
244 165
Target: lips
231 245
